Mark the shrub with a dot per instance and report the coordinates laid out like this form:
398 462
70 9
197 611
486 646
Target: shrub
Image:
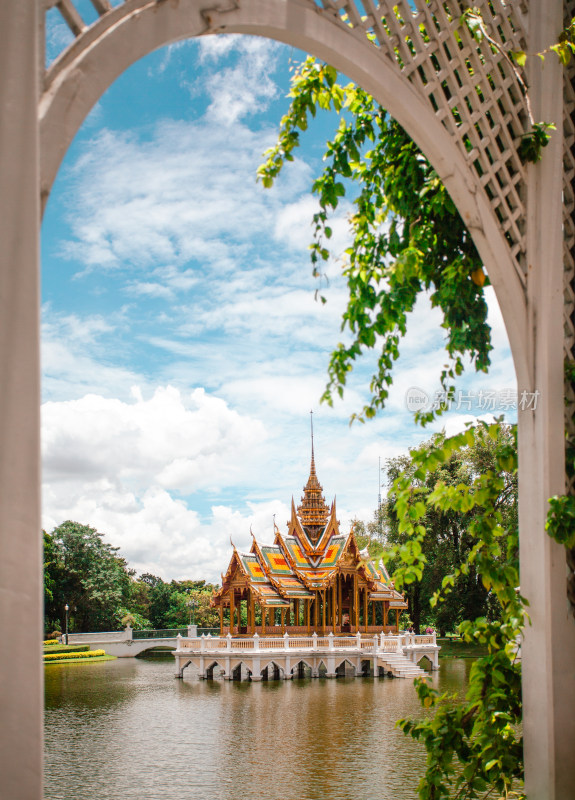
51 641
69 648
86 654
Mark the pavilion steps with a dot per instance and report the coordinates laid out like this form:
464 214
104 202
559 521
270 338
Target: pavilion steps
400 666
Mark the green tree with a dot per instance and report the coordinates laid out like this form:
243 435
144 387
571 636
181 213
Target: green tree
198 592
448 542
160 602
92 579
474 746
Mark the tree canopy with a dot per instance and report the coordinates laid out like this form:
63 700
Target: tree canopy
86 573
474 746
448 542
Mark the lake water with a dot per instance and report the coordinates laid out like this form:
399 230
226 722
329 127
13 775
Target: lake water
129 729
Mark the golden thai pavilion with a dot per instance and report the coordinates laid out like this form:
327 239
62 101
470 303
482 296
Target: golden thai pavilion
313 578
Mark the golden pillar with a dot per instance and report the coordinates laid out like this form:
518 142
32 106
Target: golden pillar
334 605
232 610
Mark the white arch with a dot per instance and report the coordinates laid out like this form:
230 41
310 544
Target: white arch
343 661
266 664
84 71
302 661
534 323
215 663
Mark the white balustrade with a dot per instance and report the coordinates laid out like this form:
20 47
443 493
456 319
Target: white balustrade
329 643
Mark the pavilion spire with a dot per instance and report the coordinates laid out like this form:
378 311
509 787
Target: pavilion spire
313 511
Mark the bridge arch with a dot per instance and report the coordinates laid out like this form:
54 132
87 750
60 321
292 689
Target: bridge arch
300 666
209 670
273 668
160 648
344 665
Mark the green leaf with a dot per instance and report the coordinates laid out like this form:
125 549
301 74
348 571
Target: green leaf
519 56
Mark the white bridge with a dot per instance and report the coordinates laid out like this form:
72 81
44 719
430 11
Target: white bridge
258 658
122 644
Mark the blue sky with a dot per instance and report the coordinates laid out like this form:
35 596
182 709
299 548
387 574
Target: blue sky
182 345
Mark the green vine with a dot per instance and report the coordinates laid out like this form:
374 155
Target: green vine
407 236
474 747
532 143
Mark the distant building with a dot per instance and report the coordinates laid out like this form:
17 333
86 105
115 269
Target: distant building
314 578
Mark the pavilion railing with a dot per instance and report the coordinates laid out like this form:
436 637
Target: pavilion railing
381 643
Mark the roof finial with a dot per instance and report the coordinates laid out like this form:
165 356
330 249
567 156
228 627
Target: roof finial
312 456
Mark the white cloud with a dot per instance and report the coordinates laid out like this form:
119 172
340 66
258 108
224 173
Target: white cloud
181 443
180 197
246 87
120 467
220 295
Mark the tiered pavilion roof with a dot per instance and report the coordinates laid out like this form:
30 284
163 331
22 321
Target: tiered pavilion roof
311 578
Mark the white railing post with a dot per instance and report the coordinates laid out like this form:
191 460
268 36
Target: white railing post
314 641
128 632
256 639
375 643
229 642
286 641
330 641
178 642
202 643
434 634
358 640
382 638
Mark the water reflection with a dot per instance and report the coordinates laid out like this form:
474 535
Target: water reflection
129 729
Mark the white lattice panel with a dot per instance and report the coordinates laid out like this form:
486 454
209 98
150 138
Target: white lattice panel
471 87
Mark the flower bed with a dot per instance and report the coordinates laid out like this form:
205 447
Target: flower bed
67 648
85 654
50 641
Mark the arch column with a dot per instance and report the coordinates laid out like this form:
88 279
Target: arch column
548 650
21 688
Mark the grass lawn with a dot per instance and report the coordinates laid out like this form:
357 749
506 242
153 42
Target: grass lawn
65 648
79 660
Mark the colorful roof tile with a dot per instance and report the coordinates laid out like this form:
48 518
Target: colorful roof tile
253 567
307 559
275 561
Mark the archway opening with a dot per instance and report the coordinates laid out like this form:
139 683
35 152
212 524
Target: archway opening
212 309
